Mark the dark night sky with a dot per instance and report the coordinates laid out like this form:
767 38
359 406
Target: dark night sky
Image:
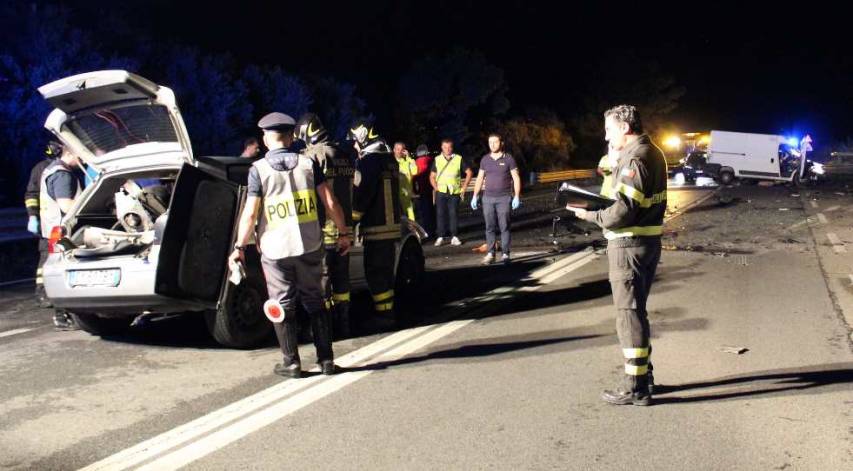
763 69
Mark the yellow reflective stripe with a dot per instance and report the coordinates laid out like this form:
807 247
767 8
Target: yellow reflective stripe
301 205
635 352
384 307
356 215
636 370
39 271
31 202
631 192
382 236
383 296
639 197
381 229
39 280
328 304
633 231
340 297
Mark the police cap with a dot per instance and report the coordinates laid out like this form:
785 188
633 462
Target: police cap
277 122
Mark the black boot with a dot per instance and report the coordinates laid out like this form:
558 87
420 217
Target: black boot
291 367
321 324
621 397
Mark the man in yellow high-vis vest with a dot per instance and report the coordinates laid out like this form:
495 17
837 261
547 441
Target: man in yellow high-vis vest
408 170
449 177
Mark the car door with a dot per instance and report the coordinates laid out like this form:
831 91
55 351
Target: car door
198 236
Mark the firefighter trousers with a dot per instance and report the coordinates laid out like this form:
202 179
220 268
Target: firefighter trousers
379 256
632 271
336 287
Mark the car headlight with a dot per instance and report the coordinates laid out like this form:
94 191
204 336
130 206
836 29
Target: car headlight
818 169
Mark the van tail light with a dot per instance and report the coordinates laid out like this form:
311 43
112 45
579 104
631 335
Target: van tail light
56 233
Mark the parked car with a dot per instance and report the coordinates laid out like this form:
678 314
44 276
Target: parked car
152 235
839 166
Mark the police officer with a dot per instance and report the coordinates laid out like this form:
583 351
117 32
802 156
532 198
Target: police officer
60 185
338 170
408 171
31 201
633 226
376 209
283 192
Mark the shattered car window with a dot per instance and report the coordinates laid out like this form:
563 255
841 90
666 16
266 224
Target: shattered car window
111 129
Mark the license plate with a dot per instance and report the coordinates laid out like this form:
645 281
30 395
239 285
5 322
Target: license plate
109 277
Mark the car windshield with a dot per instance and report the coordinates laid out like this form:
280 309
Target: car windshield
115 128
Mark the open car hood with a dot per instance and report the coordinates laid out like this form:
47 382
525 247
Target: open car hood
116 120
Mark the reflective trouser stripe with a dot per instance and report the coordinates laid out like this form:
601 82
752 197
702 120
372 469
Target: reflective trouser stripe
635 352
340 297
328 304
381 307
633 231
31 203
39 279
356 215
636 370
383 296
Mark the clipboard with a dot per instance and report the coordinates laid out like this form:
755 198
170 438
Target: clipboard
578 197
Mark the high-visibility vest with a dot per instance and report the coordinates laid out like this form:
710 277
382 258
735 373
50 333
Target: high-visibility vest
49 211
448 176
290 224
607 173
408 170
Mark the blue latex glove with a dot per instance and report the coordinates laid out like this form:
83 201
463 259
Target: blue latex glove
33 225
474 203
516 202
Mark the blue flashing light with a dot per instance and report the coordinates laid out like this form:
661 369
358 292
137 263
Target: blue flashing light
793 142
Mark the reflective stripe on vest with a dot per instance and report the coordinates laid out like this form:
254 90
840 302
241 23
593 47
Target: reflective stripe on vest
49 211
448 178
289 226
639 197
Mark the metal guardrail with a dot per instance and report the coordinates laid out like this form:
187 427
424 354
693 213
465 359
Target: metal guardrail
560 175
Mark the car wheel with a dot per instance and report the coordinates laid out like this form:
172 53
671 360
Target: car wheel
410 274
240 321
96 325
727 177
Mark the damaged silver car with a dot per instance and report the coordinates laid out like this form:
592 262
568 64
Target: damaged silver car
151 236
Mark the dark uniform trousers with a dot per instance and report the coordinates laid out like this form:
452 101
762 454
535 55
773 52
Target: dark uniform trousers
336 286
289 281
41 295
632 270
379 271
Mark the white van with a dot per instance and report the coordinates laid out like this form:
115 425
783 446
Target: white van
753 156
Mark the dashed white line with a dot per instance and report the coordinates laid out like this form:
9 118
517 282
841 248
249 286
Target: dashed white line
10 333
832 208
822 219
837 245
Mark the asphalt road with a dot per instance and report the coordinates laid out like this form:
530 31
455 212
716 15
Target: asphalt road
503 373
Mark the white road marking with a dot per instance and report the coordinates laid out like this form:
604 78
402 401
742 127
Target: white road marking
265 407
851 279
10 333
832 208
822 219
837 245
814 204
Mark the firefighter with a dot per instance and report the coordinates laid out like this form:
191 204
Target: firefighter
408 171
283 192
31 201
60 186
633 226
338 169
376 209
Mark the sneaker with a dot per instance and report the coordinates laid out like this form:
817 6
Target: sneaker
293 370
621 397
505 259
455 241
488 259
63 321
439 241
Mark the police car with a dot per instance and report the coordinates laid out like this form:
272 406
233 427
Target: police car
152 235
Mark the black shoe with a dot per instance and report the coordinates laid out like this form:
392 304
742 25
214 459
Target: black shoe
328 367
621 398
293 370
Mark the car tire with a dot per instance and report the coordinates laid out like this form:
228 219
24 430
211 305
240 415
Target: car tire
727 177
240 321
101 326
408 283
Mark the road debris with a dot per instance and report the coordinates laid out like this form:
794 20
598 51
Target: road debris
733 350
